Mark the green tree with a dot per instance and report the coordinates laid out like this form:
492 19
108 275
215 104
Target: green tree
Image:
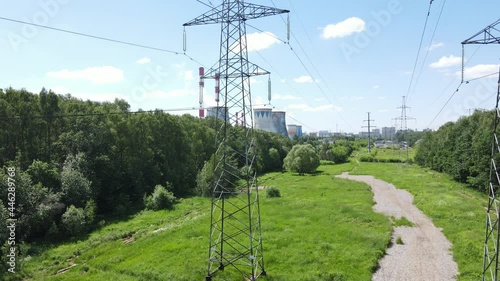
160 199
75 187
74 222
340 154
302 159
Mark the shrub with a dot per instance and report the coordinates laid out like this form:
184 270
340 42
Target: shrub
302 159
340 154
160 199
273 192
73 221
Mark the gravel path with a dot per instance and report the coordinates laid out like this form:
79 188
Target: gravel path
425 254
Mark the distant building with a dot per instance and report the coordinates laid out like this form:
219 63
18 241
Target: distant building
376 133
388 132
324 134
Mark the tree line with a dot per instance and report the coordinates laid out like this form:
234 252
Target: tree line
461 149
76 159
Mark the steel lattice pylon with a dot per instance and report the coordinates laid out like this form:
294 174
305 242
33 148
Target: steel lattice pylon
492 237
235 233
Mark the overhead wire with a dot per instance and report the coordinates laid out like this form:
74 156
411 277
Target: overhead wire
456 91
419 48
315 81
97 114
101 38
429 47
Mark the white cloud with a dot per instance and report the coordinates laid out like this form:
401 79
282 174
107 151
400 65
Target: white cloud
446 61
168 94
435 46
307 108
99 97
381 98
304 79
97 75
376 87
478 71
383 110
144 60
258 41
285 97
344 28
188 76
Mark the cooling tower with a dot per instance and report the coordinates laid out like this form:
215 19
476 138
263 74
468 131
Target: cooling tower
262 119
279 123
299 131
292 130
220 112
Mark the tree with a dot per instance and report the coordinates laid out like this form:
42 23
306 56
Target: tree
160 199
340 154
73 221
76 188
302 159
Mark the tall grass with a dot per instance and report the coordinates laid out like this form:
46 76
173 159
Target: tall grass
321 228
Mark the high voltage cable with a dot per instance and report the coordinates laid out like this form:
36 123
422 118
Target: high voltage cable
100 38
300 60
96 114
419 47
309 72
428 48
300 22
458 88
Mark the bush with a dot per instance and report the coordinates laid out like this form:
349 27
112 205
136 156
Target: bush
302 159
340 154
273 192
160 199
73 221
205 179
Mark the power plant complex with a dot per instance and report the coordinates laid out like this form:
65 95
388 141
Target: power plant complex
266 119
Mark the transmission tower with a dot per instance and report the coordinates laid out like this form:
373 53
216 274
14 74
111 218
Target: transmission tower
235 232
403 121
369 130
491 241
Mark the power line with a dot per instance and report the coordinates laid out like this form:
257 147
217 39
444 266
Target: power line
100 38
453 94
429 47
96 114
310 74
419 47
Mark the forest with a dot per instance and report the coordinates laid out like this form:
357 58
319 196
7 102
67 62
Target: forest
77 160
461 149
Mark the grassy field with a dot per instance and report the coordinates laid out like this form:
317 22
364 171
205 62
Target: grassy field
458 210
322 228
387 155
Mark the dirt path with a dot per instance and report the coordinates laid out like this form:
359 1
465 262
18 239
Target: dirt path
425 254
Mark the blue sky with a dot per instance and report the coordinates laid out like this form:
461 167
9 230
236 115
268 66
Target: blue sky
360 57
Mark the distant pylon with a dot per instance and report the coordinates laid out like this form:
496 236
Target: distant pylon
235 232
403 125
369 130
491 35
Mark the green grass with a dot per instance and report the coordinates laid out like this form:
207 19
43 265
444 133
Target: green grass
459 211
322 228
402 222
399 241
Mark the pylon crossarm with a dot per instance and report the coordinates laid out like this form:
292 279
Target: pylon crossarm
486 36
247 12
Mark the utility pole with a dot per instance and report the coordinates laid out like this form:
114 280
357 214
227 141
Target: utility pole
235 227
369 130
490 35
